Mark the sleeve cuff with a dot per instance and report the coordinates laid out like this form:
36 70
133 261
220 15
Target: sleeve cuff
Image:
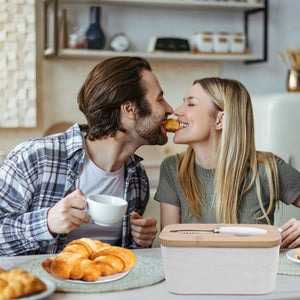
37 228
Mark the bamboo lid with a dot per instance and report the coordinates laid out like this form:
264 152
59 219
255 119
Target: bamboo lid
185 235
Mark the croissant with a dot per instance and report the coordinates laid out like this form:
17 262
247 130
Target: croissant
114 260
19 283
88 259
74 261
85 247
73 266
2 271
172 125
297 255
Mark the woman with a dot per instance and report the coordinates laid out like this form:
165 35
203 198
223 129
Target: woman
221 178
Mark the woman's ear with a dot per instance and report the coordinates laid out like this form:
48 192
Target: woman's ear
219 120
129 110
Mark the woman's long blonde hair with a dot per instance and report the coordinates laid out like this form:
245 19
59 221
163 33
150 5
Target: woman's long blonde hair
236 153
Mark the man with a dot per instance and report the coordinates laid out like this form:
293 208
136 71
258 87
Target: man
43 182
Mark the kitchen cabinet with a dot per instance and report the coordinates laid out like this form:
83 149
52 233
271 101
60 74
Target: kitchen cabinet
181 7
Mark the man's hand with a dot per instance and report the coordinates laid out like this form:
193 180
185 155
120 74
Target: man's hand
143 229
68 214
291 234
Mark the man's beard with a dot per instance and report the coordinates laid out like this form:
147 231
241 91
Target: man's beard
154 136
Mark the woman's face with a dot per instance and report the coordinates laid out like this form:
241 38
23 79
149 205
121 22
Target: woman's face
196 114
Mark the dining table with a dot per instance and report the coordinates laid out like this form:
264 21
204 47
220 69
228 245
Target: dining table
287 286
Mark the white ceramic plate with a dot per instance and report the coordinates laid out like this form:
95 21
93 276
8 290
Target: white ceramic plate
50 290
101 279
291 255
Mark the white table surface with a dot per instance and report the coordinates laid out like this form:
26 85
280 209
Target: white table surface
287 287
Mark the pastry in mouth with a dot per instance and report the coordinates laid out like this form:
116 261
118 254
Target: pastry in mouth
171 125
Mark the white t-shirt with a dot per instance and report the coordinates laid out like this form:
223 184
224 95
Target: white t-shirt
93 180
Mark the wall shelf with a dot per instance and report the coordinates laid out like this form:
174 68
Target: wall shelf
175 3
52 50
84 53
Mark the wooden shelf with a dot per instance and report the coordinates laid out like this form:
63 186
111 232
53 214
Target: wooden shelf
231 5
85 53
51 49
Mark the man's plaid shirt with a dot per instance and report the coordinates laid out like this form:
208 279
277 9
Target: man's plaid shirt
40 172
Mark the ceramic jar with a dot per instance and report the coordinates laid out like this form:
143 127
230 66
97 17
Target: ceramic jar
221 42
203 41
236 42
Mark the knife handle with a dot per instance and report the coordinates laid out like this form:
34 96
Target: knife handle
240 230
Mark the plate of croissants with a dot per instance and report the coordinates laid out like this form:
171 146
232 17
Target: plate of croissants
23 285
90 261
87 265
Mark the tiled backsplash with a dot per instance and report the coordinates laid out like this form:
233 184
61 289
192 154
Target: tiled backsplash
17 63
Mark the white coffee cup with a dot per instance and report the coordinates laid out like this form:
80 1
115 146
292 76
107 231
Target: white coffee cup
106 210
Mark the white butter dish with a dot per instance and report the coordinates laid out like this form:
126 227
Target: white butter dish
220 259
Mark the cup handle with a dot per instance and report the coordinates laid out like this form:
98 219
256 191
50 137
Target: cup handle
87 205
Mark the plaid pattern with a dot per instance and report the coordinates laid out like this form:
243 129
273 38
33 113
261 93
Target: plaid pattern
40 172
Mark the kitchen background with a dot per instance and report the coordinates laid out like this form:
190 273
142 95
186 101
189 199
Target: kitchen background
59 79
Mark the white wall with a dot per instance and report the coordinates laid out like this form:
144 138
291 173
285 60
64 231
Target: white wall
270 77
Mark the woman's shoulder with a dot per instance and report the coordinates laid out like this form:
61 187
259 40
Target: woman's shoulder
268 156
169 164
283 168
286 169
170 160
